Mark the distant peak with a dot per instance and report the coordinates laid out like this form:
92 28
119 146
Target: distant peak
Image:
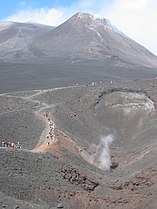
95 21
90 17
83 15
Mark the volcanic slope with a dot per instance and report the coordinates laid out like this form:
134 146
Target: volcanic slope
81 50
85 37
16 37
77 169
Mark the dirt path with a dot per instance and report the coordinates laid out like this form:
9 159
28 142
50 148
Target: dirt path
52 139
47 138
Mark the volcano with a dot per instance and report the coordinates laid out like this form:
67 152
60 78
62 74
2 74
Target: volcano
85 37
82 50
80 100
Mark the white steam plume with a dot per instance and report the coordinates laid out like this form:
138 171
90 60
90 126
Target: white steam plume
101 153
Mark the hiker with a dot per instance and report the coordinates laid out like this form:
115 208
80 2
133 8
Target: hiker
48 143
9 144
18 145
3 144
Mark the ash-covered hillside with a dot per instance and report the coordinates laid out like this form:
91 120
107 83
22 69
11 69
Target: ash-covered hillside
16 37
83 49
85 37
81 147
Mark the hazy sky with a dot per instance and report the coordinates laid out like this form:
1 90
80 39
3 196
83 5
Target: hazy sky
135 18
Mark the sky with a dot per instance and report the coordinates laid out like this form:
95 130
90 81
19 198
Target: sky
135 18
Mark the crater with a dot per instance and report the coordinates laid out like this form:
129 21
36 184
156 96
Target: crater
121 114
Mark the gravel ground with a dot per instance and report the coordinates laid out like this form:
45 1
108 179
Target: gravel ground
67 174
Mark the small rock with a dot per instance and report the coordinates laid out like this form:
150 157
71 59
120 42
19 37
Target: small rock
60 205
114 165
16 207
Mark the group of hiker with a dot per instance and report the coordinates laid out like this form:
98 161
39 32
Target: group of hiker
50 135
11 145
51 130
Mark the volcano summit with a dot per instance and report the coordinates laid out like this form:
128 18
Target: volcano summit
85 47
